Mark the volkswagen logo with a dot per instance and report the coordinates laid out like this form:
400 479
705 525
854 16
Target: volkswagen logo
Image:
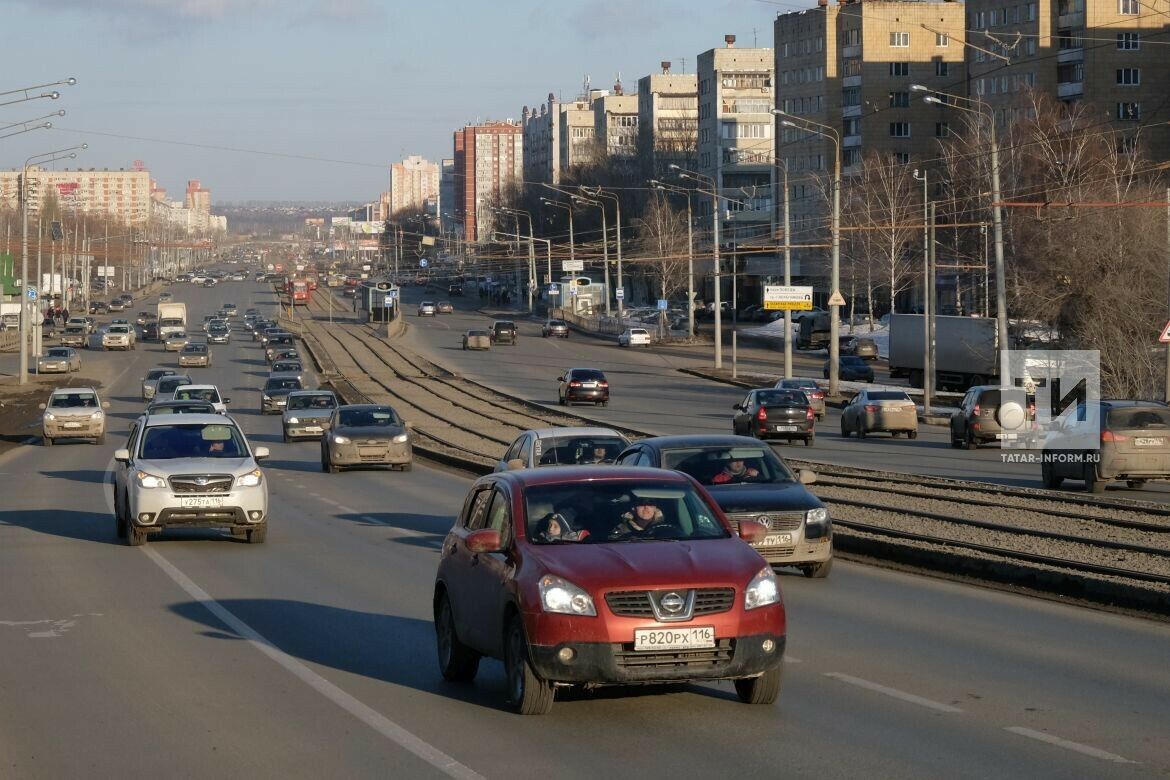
672 602
762 520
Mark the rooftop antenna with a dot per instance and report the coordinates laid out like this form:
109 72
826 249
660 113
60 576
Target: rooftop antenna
682 61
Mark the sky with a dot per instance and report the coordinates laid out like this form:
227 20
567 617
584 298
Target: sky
314 99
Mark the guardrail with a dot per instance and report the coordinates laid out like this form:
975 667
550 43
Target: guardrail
292 326
9 340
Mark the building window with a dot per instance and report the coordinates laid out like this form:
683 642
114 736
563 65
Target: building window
899 68
850 157
899 129
942 68
1129 112
899 100
900 158
901 40
1129 7
852 67
1129 77
1031 15
942 130
980 20
1129 41
942 40
732 130
851 96
1030 47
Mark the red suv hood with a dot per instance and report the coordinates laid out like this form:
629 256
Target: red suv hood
626 565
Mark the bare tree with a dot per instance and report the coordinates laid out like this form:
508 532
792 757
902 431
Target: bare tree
661 245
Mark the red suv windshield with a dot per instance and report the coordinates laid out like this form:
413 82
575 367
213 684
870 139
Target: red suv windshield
599 513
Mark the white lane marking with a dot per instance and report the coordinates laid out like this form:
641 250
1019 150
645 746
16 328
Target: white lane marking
789 659
892 692
315 495
1076 747
345 509
371 717
397 531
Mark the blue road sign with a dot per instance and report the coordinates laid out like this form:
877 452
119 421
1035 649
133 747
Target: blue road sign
31 292
422 262
662 304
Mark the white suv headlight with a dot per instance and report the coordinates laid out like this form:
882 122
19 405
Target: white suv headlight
50 416
560 595
340 440
251 479
96 416
401 438
150 480
764 589
293 421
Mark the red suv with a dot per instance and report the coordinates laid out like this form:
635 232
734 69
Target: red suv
603 575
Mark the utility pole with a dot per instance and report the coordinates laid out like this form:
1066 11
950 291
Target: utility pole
787 281
927 295
932 265
1167 396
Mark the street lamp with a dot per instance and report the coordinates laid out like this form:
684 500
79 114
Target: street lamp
690 252
60 154
28 125
825 131
604 246
517 213
556 204
600 193
928 296
714 193
26 92
983 110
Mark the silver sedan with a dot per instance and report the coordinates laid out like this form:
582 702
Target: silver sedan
59 360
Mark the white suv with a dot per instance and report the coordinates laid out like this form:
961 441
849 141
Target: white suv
194 470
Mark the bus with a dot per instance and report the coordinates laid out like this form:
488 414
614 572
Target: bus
298 291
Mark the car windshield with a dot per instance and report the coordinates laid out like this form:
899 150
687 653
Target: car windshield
322 401
157 373
58 353
75 329
213 440
177 336
623 512
365 418
576 450
283 383
1138 418
168 385
588 375
208 394
888 395
782 398
118 329
728 465
188 407
286 365
191 349
477 333
170 321
72 400
557 323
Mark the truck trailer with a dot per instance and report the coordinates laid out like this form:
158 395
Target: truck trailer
965 350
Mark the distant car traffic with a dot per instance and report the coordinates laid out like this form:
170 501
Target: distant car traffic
174 342
558 328
150 381
634 337
194 355
851 369
207 393
366 435
274 394
1126 441
307 414
775 414
74 413
59 360
599 576
427 309
566 446
880 411
165 386
504 332
816 395
583 385
989 413
444 307
477 339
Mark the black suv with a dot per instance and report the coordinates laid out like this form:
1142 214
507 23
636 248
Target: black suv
504 332
455 289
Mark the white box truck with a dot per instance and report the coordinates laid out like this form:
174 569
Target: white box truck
965 350
172 318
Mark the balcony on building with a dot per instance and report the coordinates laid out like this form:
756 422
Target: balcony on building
851 81
1069 89
851 140
848 52
1071 46
850 111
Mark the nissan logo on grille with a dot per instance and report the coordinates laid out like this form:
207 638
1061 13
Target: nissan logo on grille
673 603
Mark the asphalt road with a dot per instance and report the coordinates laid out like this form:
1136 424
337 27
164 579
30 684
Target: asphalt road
313 654
649 393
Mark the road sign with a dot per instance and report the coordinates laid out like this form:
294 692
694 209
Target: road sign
782 298
663 304
422 262
31 293
554 289
620 292
573 265
837 299
1165 337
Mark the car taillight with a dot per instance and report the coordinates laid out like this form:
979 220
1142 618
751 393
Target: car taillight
976 410
809 414
574 384
818 394
762 414
603 384
872 408
1111 436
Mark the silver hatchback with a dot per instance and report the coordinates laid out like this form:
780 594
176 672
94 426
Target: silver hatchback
307 414
74 413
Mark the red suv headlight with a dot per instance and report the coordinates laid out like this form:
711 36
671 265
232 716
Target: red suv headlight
561 596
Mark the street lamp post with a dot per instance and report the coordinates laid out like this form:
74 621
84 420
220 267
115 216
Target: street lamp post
983 110
531 251
26 92
714 193
60 154
28 126
604 247
927 296
600 193
572 249
831 133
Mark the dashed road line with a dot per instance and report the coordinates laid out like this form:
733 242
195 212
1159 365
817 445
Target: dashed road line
1076 747
345 509
363 712
893 692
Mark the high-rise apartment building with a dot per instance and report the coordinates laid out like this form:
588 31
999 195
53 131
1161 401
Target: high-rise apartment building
198 197
542 142
576 133
736 95
489 157
122 194
615 124
1105 54
446 193
668 121
414 183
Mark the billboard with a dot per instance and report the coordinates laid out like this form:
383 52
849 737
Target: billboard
105 270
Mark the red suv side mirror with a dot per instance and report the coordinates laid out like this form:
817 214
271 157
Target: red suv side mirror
485 540
751 531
